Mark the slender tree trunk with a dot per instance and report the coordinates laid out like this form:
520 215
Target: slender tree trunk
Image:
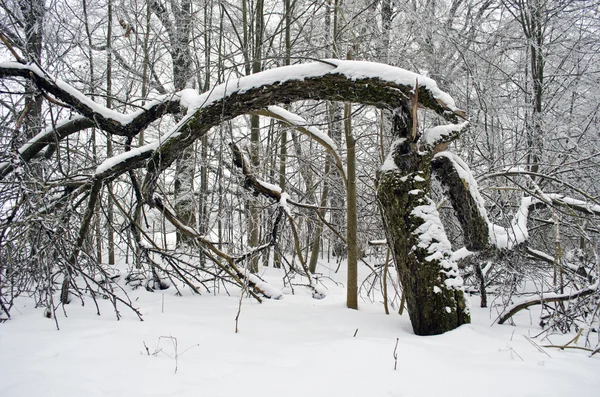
337 192
109 151
33 12
182 76
92 88
386 27
283 148
314 255
351 216
254 210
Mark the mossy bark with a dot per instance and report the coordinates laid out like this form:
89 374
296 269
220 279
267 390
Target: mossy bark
430 281
472 221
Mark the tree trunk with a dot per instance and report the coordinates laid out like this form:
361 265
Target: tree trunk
254 210
351 216
110 243
179 32
33 17
416 236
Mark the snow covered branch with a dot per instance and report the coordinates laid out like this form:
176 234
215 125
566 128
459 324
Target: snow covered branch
368 83
547 298
442 134
470 210
49 136
468 204
107 119
303 127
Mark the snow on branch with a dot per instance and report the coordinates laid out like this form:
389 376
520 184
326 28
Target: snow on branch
556 198
518 233
313 132
107 119
469 181
126 160
367 83
49 136
470 206
443 134
578 205
354 71
547 298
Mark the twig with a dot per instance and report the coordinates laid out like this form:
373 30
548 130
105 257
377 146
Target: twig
146 347
536 345
11 48
571 347
396 354
574 340
239 312
384 281
513 351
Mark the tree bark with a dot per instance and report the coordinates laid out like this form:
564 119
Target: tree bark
351 215
416 237
33 12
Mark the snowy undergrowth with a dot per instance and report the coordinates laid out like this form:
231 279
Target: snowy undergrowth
296 346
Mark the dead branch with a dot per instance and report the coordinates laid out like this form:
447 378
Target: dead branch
541 300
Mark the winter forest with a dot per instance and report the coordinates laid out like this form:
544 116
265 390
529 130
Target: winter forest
297 196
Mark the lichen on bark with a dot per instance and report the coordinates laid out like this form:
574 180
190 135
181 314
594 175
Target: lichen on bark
421 251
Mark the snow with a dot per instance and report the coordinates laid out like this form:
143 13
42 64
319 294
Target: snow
592 208
431 232
389 164
283 203
461 254
188 97
294 347
266 288
432 237
269 186
433 135
464 172
124 119
296 120
517 233
111 162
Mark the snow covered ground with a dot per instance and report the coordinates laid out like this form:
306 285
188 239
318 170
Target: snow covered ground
297 346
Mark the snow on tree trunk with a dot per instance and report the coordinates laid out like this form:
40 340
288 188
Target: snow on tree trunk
430 280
